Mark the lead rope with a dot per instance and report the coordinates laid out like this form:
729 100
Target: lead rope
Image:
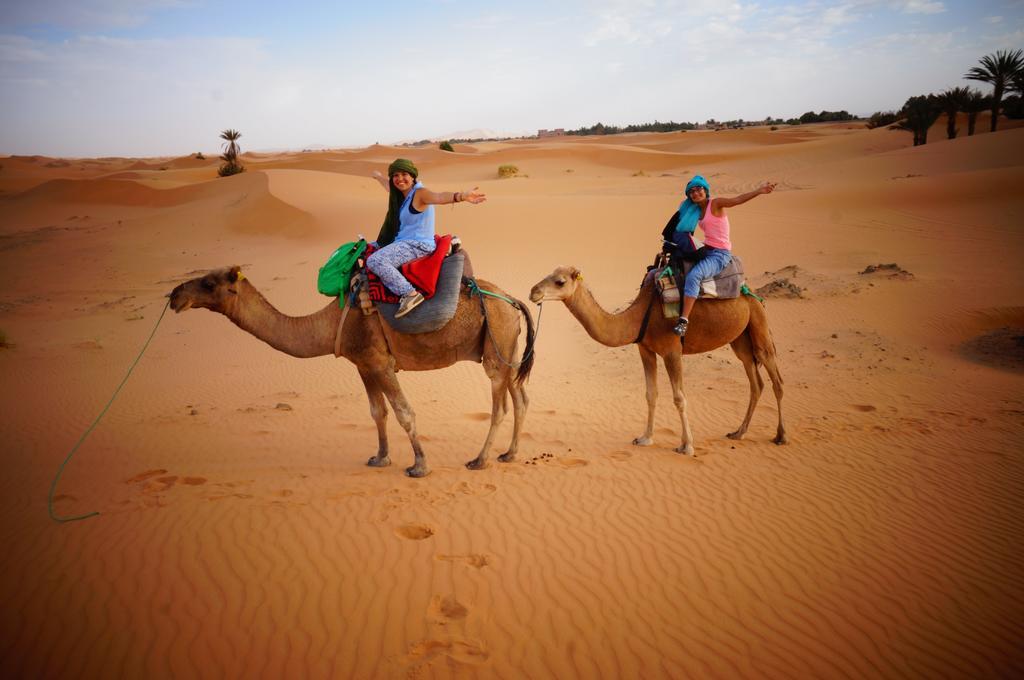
60 471
475 289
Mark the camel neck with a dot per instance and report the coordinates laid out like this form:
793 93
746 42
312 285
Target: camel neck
299 336
611 329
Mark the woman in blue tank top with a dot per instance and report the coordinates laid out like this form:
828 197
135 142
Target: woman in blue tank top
408 230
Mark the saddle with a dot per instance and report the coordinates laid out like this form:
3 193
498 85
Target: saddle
422 272
438 276
669 274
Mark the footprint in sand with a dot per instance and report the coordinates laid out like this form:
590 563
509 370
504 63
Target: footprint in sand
475 561
143 476
572 462
193 481
620 456
461 651
447 608
159 485
415 532
468 489
478 416
864 408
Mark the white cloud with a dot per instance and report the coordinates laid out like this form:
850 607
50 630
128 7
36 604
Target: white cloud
923 7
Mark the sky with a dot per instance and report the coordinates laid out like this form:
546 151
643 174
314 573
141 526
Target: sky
88 78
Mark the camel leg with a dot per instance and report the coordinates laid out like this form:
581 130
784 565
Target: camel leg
499 393
744 351
773 372
519 405
650 362
674 368
379 413
407 419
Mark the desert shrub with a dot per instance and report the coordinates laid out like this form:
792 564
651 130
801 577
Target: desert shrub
640 173
505 171
230 168
774 128
445 146
881 119
200 156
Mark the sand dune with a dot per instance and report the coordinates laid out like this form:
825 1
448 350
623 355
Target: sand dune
242 535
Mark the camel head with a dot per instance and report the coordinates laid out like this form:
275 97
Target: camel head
558 285
214 291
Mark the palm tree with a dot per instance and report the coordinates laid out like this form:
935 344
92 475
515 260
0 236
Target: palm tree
919 114
232 149
975 103
952 102
998 70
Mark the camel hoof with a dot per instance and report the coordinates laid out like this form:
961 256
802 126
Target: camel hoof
417 472
686 450
476 464
737 435
643 441
506 457
781 439
377 461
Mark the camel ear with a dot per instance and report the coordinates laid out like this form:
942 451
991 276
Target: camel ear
235 274
575 273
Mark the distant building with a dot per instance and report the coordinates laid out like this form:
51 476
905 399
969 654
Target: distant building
557 132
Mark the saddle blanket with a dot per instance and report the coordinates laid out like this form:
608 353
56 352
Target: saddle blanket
726 284
422 273
434 312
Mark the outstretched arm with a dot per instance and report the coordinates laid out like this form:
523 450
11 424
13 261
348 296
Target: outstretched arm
379 176
727 202
425 197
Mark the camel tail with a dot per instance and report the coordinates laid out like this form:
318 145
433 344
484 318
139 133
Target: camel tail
526 365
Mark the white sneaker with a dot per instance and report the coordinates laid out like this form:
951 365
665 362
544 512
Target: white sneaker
408 302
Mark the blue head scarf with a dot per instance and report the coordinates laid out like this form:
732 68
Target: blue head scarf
689 212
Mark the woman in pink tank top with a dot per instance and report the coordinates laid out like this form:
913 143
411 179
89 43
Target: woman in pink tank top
717 246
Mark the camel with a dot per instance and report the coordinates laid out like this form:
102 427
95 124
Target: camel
740 322
379 352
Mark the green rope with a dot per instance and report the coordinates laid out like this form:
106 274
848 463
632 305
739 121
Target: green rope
475 289
60 471
745 290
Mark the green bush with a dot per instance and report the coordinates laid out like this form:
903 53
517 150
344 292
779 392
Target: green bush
445 146
200 156
230 168
505 171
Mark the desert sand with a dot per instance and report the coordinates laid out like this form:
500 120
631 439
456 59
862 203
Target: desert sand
242 535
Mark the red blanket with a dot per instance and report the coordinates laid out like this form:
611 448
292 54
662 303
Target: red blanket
422 273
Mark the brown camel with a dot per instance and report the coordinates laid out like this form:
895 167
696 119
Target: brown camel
378 351
740 322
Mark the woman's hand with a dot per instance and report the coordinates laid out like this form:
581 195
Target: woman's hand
474 196
379 176
767 188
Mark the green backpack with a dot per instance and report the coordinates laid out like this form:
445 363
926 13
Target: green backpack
335 275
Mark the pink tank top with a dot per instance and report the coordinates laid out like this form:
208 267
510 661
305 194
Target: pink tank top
716 230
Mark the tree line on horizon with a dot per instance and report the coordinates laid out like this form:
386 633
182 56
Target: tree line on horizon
671 126
1004 71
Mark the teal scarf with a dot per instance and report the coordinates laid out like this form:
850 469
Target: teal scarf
689 212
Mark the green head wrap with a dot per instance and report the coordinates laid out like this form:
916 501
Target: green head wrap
389 229
403 165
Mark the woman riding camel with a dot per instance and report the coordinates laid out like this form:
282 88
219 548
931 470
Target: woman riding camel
700 210
408 230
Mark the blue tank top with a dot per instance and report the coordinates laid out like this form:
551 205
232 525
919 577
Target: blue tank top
415 226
